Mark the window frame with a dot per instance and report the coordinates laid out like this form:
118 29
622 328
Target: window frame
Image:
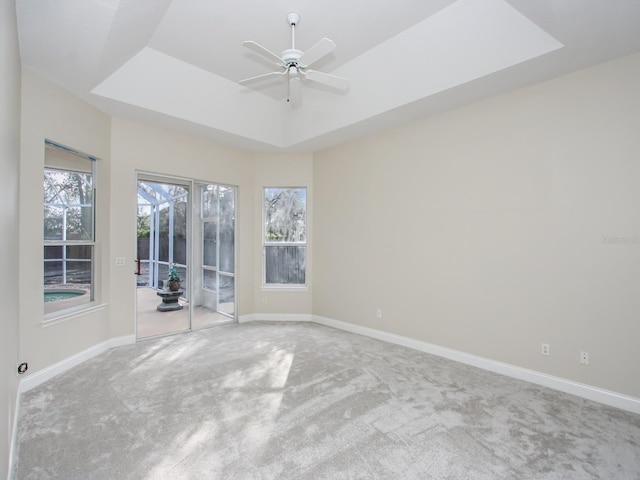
57 165
266 244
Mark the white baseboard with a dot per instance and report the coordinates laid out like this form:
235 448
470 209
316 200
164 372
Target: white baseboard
606 397
41 376
276 317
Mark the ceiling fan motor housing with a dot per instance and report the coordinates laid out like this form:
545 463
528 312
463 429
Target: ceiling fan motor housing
291 56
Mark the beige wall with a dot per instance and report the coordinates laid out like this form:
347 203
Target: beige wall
138 147
49 112
486 229
282 170
9 166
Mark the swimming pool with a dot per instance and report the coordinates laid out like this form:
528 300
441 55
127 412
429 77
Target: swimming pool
56 295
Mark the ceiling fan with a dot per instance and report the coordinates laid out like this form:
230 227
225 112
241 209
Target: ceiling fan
295 63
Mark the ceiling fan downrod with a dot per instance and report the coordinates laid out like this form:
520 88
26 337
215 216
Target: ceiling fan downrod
293 18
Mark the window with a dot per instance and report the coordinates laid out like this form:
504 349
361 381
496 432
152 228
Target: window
68 229
285 236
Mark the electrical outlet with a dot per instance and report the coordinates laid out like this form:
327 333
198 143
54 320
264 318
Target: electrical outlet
584 358
545 349
379 313
265 299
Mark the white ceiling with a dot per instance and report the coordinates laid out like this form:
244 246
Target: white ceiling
176 63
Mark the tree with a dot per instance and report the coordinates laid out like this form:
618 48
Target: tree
285 211
68 199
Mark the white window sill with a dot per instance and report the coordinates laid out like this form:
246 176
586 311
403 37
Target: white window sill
59 317
285 288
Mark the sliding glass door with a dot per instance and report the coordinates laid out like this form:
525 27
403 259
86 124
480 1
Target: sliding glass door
214 289
184 227
162 244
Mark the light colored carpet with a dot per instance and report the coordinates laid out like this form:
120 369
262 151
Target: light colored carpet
301 401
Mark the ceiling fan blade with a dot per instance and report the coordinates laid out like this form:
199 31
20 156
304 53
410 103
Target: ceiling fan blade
327 79
315 53
260 50
260 77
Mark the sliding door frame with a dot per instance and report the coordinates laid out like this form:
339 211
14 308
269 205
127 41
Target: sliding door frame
192 211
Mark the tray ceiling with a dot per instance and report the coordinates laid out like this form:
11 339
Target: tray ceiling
176 63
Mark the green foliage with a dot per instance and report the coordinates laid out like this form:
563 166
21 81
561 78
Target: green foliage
144 225
173 274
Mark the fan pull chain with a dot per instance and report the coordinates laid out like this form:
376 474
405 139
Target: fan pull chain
288 86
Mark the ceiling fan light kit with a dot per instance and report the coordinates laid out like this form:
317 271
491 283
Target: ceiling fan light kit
294 63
